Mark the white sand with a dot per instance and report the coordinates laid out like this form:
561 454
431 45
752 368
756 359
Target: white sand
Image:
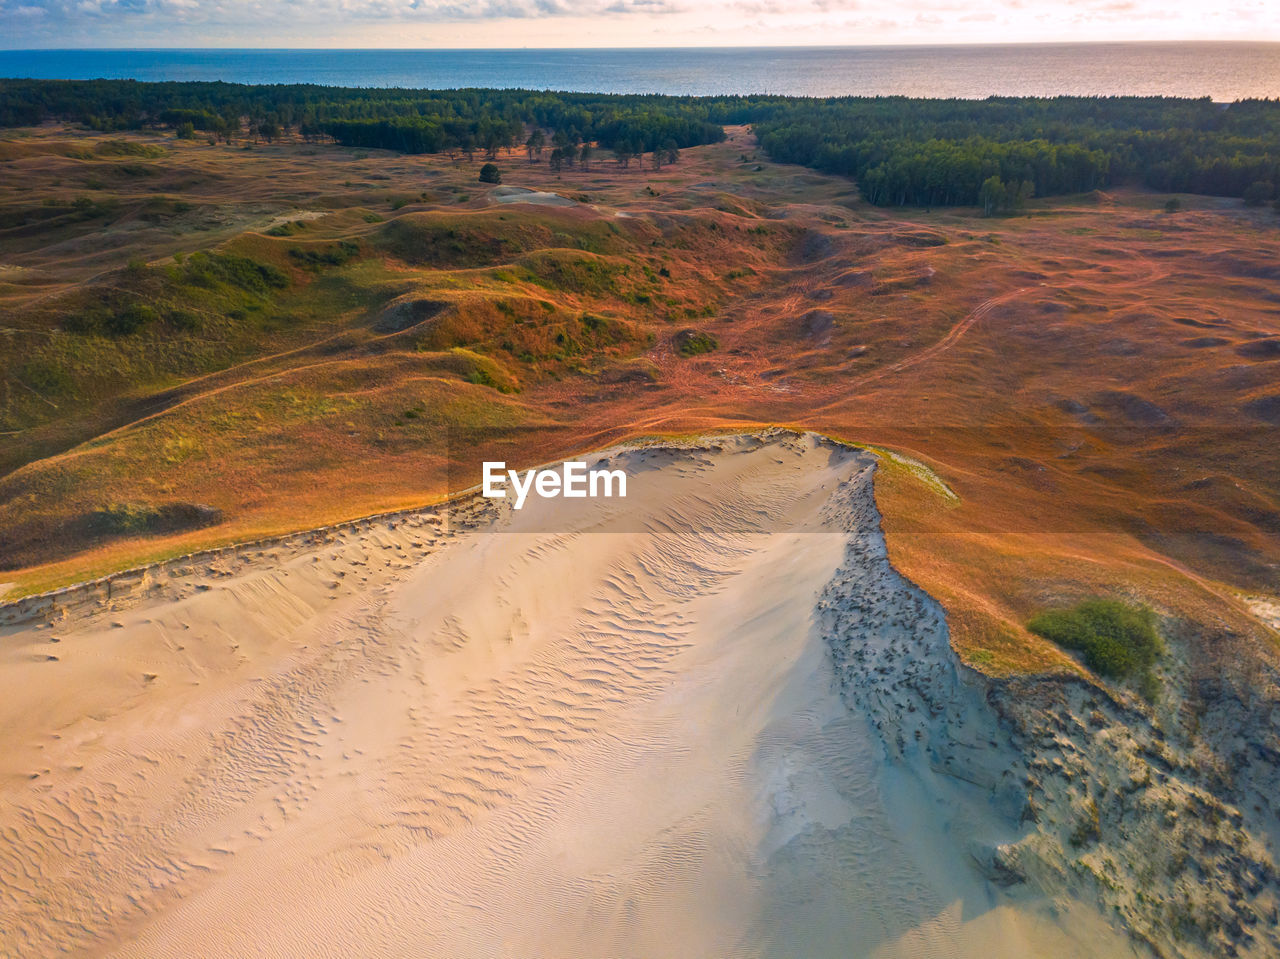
1266 608
605 728
519 194
295 216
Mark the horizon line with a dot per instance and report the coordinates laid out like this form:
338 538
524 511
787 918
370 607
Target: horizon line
680 46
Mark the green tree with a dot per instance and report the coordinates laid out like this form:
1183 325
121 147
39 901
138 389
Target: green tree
992 195
489 173
533 146
1258 193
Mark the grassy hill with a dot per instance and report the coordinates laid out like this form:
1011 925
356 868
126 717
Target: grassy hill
294 334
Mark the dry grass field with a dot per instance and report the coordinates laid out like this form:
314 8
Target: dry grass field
205 344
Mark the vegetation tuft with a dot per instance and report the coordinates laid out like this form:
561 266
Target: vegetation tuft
292 228
138 519
125 148
212 270
316 259
694 342
1118 640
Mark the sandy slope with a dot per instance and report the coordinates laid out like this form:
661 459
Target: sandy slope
588 728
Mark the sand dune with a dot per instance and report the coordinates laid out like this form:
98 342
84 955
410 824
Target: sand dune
589 728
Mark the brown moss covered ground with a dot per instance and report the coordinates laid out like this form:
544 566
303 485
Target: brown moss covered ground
1083 398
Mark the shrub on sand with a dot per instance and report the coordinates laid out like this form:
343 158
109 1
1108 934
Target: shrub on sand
1118 641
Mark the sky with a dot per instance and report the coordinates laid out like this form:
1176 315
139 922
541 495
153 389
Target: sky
620 23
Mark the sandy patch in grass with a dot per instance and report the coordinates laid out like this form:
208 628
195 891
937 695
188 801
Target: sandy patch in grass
519 194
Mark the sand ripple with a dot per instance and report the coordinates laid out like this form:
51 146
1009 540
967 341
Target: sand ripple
583 729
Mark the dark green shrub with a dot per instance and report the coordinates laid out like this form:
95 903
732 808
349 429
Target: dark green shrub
130 319
489 173
329 256
1118 640
184 320
693 342
122 520
46 377
287 229
120 148
136 519
212 269
1258 193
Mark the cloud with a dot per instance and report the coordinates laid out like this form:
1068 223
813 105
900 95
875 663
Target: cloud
802 9
644 6
550 23
439 11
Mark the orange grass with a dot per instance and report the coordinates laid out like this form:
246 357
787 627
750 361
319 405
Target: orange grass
1085 377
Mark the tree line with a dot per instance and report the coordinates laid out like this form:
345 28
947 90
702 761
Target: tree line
410 121
998 152
995 153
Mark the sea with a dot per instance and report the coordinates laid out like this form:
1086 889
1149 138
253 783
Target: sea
1221 71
